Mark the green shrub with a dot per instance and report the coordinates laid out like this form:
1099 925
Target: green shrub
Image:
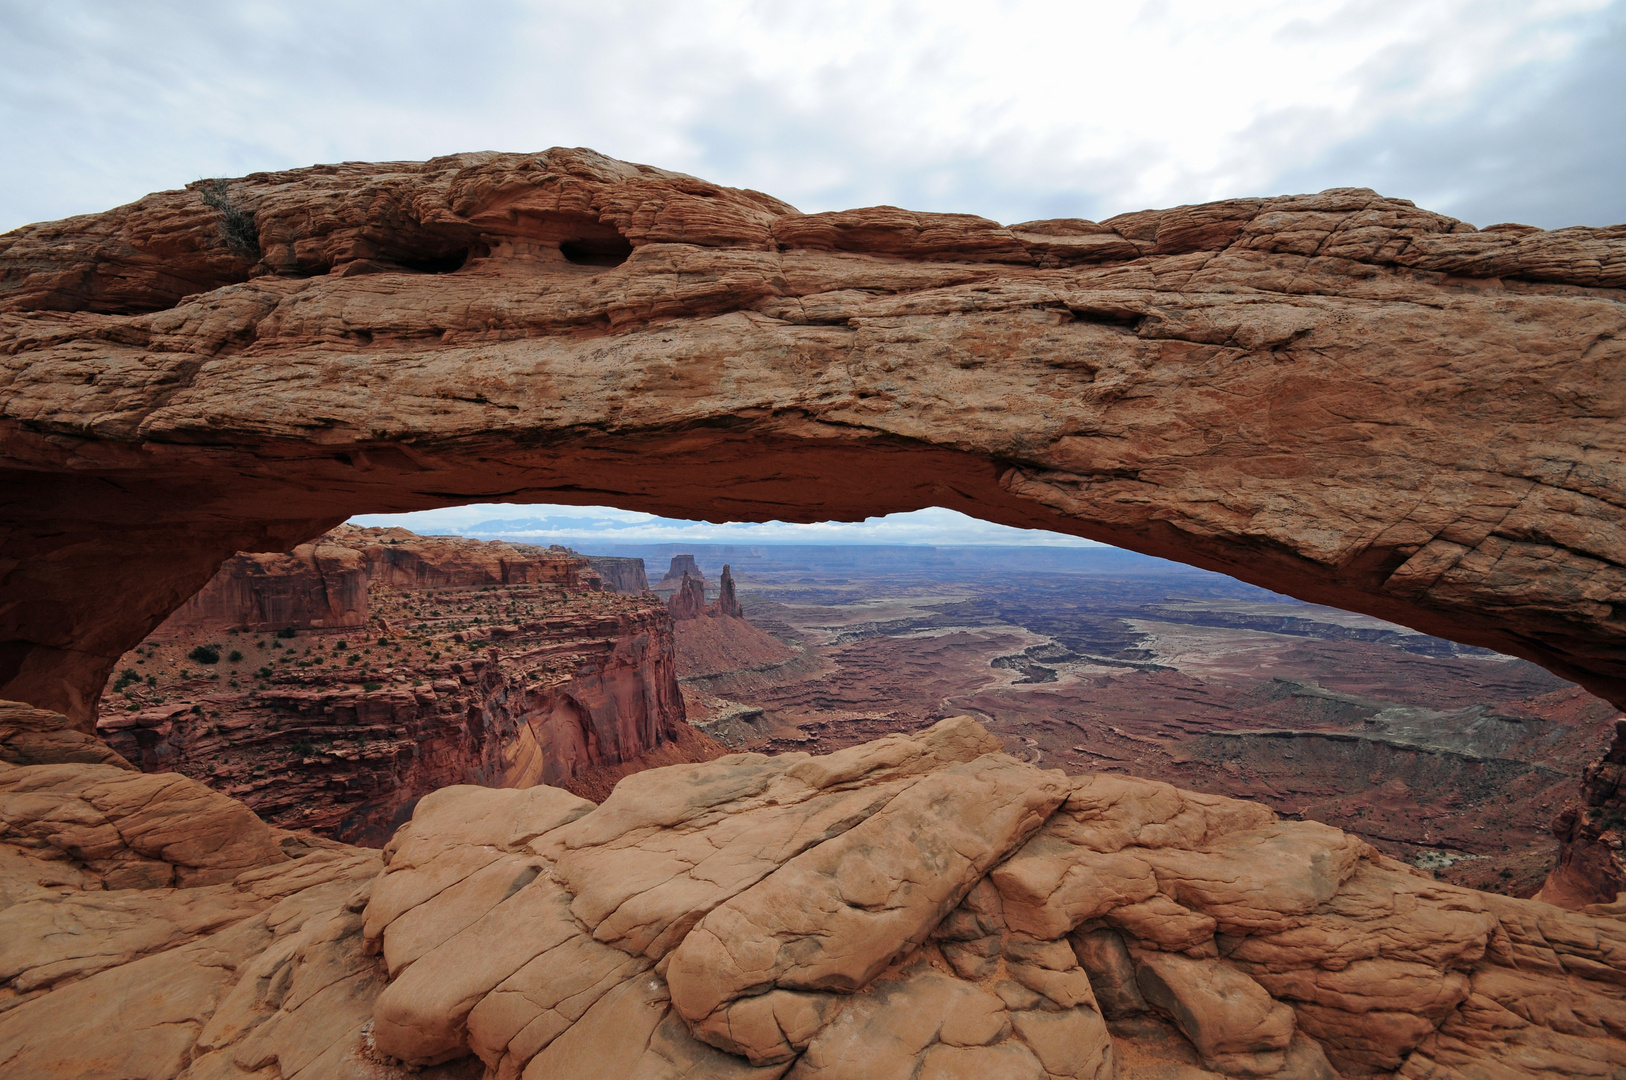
204 654
286 632
372 686
235 655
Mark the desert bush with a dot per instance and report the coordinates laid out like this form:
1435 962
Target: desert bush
204 654
372 686
286 632
237 227
235 655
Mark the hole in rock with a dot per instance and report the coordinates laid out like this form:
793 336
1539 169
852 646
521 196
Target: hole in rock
435 264
596 251
434 646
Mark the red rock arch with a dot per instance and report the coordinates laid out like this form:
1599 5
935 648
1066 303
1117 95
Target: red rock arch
1337 396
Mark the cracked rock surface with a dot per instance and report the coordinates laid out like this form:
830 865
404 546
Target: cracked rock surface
916 907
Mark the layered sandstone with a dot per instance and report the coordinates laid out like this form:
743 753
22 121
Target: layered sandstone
1591 866
1340 395
324 584
490 666
619 574
915 907
688 601
715 641
682 566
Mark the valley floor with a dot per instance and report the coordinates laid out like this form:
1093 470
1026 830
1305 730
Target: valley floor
1452 758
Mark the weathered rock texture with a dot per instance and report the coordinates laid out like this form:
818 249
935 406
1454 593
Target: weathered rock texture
1339 396
682 566
689 601
727 603
323 584
622 575
921 907
499 667
1591 866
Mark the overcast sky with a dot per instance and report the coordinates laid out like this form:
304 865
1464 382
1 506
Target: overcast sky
568 524
1490 110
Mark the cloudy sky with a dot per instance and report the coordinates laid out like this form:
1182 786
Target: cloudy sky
1490 110
608 525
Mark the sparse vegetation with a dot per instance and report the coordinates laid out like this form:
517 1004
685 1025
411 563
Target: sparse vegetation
237 227
235 655
204 654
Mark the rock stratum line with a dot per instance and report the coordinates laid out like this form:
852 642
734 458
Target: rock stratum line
1337 396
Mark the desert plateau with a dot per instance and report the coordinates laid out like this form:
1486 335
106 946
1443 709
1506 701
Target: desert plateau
1313 774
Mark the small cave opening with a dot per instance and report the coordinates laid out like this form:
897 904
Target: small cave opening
434 264
597 251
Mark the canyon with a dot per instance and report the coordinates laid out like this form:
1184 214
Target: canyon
1445 756
1339 396
331 686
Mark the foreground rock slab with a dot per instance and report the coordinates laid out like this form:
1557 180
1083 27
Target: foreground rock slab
917 907
1339 396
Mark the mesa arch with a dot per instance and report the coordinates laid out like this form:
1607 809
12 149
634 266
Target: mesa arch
1337 396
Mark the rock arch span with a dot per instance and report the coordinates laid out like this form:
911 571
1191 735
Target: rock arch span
1337 396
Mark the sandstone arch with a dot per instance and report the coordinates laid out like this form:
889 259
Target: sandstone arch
1338 396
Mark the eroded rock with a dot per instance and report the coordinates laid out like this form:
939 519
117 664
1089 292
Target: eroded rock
1339 395
918 906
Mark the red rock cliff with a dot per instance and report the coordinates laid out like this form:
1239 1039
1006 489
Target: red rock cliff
522 673
1591 865
323 584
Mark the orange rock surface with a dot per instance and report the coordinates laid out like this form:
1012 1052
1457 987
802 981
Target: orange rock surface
1339 395
918 906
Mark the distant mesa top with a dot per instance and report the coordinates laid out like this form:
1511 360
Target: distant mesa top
682 566
1338 396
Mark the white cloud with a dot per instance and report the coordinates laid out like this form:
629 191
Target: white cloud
545 524
1012 109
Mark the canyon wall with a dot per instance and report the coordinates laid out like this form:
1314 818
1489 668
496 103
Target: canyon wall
495 667
622 575
323 584
1591 865
1340 396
